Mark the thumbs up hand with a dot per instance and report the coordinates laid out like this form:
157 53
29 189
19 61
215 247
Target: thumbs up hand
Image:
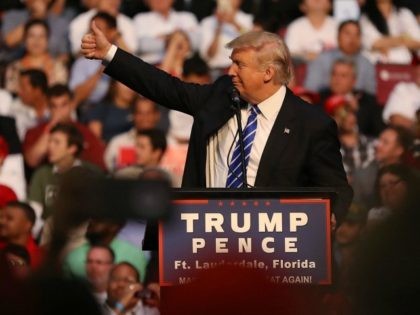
94 44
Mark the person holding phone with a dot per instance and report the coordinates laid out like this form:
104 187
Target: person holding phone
227 22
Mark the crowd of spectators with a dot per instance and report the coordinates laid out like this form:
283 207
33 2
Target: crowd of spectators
59 112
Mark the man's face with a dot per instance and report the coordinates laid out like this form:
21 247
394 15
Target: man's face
26 91
120 278
387 147
315 6
247 75
58 148
393 190
98 267
60 107
145 115
146 155
14 223
343 79
349 39
111 7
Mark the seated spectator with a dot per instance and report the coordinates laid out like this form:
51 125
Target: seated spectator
80 25
227 23
395 183
392 147
342 83
14 20
104 232
36 56
87 81
403 103
389 33
61 105
124 292
349 47
18 219
112 115
99 262
120 151
65 145
177 51
154 27
30 108
313 33
358 151
150 147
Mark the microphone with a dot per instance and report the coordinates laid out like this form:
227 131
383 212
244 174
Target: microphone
235 97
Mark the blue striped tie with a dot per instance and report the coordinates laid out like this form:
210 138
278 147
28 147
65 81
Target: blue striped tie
235 174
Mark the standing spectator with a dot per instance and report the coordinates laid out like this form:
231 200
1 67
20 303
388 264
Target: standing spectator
403 103
112 116
12 28
389 33
313 33
154 27
120 151
79 26
99 262
342 83
87 81
61 105
16 228
36 34
124 283
349 47
30 108
217 30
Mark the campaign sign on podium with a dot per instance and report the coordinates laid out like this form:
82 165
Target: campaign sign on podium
285 234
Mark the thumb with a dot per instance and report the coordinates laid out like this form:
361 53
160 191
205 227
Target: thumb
96 30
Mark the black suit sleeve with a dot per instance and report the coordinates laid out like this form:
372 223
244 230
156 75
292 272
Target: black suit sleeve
156 84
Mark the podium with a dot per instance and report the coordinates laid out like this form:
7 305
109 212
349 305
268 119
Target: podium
285 234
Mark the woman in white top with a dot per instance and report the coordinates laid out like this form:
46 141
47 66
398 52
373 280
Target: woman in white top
389 33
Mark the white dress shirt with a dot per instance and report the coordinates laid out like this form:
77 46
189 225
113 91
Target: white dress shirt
219 144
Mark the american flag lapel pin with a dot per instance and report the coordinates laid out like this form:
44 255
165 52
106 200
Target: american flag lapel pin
286 131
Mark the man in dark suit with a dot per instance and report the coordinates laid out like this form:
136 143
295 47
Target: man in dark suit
295 145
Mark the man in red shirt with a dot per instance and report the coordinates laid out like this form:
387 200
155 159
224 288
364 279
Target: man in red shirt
61 106
16 224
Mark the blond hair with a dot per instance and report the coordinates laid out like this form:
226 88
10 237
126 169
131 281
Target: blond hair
271 51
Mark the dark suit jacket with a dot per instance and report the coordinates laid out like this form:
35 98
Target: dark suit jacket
306 156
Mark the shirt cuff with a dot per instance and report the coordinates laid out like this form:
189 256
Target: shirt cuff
110 55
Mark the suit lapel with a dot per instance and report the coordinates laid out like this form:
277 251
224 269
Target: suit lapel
279 137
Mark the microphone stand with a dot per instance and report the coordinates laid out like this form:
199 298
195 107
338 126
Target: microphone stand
237 107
